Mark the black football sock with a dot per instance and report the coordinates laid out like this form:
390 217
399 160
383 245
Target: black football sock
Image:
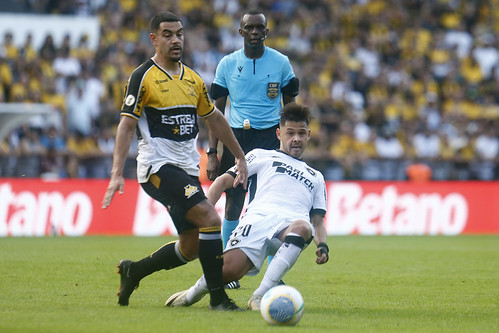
166 257
211 258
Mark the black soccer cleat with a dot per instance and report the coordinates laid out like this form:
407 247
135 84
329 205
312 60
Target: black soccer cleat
226 305
232 285
127 283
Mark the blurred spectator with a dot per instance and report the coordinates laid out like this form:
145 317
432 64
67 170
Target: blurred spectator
365 67
6 79
29 155
367 54
9 50
48 49
388 146
52 165
50 96
80 112
52 139
66 68
486 54
53 161
8 158
426 144
428 113
390 152
459 39
28 52
105 142
82 151
83 52
94 91
487 151
19 89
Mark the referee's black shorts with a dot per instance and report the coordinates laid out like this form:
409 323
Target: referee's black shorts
249 140
177 191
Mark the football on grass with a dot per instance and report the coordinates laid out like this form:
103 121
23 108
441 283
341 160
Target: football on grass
282 305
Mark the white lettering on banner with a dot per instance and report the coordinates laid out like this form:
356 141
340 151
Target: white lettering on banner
49 223
151 217
78 208
49 212
390 213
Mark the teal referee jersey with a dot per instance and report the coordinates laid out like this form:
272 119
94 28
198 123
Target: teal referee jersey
254 86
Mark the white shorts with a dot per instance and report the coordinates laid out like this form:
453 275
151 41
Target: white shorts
256 236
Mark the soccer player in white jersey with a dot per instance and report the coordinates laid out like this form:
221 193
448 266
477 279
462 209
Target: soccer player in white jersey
286 209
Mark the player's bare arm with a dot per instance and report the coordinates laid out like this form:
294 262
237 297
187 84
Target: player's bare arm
320 239
124 136
287 99
213 165
218 187
220 127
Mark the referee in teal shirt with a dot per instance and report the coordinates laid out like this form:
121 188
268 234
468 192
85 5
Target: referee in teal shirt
258 81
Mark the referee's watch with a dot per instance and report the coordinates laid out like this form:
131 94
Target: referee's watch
211 151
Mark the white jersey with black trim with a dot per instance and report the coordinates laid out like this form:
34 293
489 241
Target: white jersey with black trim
279 184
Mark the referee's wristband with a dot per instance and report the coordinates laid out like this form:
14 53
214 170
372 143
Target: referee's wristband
323 248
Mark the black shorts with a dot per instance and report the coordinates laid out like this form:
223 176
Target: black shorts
249 140
177 191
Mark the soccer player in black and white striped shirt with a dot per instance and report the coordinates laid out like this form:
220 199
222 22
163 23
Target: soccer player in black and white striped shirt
163 100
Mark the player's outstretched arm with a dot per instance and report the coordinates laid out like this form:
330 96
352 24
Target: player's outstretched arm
220 127
218 187
213 165
320 239
124 136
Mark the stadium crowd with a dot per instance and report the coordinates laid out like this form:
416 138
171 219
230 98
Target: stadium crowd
391 83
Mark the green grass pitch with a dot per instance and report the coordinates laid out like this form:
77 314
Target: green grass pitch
371 284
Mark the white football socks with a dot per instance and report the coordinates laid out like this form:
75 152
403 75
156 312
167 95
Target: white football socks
284 259
197 291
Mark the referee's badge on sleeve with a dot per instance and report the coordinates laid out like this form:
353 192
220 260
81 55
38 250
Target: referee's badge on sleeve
273 90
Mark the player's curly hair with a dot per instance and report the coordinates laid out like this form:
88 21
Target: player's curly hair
295 112
164 16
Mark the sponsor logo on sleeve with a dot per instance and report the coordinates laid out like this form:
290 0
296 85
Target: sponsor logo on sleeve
130 99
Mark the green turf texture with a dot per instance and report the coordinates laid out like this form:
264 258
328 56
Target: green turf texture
371 284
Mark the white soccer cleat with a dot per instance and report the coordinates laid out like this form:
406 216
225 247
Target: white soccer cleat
178 299
254 303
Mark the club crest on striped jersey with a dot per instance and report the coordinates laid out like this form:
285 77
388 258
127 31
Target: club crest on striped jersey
190 190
